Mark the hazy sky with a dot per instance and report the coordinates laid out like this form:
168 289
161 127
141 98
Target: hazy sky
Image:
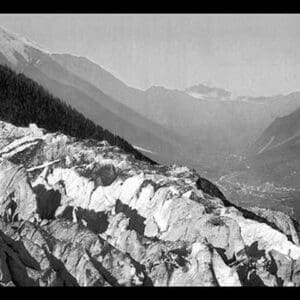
246 54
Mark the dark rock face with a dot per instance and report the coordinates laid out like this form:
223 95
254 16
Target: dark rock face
209 188
47 201
63 253
104 175
84 213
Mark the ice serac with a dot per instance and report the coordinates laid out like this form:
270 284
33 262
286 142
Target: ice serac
82 212
16 194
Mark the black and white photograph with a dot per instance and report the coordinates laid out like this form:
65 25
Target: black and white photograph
149 149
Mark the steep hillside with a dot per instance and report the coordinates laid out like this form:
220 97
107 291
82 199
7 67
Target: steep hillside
281 131
23 102
79 212
196 122
38 64
96 75
274 157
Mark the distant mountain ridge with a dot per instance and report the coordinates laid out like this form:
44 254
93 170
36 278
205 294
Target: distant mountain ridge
155 103
171 124
275 154
22 56
202 91
280 131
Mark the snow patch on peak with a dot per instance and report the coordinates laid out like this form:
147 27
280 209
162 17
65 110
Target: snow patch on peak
34 45
12 44
203 92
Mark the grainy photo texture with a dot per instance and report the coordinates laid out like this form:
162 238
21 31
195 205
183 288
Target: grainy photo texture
149 150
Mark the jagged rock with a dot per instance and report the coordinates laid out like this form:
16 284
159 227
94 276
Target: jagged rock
225 275
151 228
280 220
265 236
104 174
65 253
199 273
223 233
17 199
283 265
5 273
109 219
296 272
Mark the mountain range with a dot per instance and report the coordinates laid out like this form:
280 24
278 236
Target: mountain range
39 65
275 155
199 126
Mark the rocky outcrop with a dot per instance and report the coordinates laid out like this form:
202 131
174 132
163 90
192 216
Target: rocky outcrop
83 212
282 221
17 200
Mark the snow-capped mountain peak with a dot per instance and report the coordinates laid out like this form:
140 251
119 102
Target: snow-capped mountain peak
204 92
